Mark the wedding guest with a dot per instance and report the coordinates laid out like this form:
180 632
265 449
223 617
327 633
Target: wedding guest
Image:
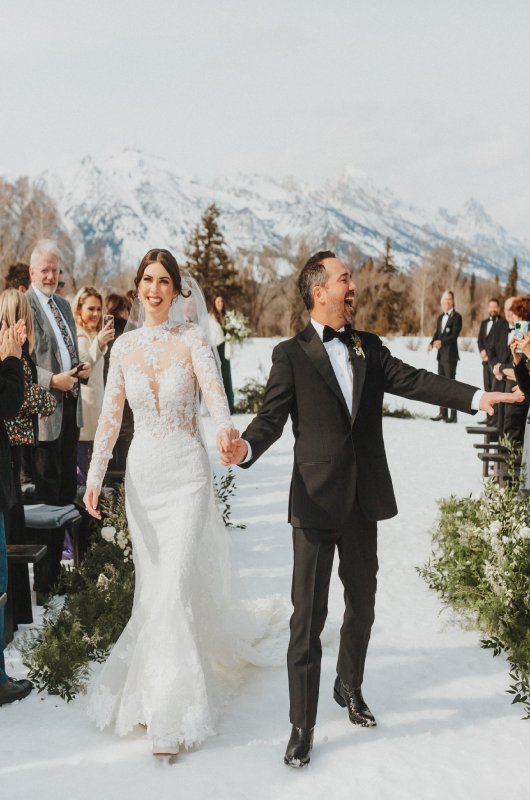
514 422
520 350
485 339
119 306
219 340
22 431
92 341
17 277
58 368
445 342
11 398
61 283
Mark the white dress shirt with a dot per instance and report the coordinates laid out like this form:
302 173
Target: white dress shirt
44 300
340 361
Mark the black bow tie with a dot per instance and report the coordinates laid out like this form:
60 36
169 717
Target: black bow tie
344 336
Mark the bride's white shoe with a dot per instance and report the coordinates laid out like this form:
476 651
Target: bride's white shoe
165 747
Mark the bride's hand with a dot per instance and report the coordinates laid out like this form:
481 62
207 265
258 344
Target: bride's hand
90 500
224 440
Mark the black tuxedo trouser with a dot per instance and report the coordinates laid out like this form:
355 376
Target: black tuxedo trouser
514 421
489 378
55 469
448 370
313 561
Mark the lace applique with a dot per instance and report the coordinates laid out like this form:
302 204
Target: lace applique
159 371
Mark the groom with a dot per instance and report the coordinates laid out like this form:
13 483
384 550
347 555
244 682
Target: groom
331 381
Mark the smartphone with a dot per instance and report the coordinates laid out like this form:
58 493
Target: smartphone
108 318
521 330
78 368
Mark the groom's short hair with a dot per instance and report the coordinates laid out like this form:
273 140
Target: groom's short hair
313 274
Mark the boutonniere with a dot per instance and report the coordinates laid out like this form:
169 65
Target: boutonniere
357 345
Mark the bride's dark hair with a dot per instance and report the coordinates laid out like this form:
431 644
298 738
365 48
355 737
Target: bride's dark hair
168 261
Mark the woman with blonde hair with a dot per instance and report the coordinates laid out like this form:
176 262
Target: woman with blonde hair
92 339
23 432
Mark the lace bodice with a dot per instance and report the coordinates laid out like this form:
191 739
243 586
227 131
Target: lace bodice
158 370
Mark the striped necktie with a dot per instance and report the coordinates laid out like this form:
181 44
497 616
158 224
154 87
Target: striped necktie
67 340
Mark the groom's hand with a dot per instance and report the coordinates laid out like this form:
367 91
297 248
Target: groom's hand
236 454
490 399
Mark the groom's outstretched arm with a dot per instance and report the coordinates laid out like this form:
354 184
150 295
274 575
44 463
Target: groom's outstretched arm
278 401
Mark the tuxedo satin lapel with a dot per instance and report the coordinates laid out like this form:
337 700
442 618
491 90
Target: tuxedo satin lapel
312 345
359 374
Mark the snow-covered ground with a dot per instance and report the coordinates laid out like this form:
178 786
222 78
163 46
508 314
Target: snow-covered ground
446 727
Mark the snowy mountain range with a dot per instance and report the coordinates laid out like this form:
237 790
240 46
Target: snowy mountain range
133 200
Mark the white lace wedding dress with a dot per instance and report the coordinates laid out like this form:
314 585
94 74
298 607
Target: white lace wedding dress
166 670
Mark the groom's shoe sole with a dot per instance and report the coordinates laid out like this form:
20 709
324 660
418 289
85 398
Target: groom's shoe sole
354 719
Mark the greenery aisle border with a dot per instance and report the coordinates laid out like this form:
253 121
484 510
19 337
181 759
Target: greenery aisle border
480 567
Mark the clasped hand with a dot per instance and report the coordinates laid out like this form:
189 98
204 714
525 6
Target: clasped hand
232 449
12 339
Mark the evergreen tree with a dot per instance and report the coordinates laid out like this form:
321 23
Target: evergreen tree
208 259
511 284
388 259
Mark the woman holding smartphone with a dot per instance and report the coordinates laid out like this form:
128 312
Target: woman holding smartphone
92 337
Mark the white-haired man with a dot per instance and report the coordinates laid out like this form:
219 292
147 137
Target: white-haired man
58 367
445 342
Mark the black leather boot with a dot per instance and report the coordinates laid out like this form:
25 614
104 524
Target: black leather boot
10 691
353 700
299 747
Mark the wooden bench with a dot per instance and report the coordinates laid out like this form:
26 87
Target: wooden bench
19 554
490 436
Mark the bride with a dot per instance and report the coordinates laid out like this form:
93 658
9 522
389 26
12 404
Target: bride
166 670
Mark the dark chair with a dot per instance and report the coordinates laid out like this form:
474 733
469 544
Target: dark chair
46 525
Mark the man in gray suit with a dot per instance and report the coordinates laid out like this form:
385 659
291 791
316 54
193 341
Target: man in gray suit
57 358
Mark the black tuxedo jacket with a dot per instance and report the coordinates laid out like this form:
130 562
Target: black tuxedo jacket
485 340
11 398
448 336
339 453
500 352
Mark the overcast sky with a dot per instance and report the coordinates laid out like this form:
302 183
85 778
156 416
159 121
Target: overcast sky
429 98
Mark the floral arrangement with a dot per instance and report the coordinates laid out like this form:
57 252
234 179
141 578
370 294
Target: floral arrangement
97 604
235 327
481 568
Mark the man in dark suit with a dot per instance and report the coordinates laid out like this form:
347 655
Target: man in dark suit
511 421
485 339
445 342
331 381
489 329
57 358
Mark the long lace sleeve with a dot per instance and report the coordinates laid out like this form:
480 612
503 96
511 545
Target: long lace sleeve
109 422
208 377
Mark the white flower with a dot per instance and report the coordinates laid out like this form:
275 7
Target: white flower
524 532
108 533
102 581
459 514
495 526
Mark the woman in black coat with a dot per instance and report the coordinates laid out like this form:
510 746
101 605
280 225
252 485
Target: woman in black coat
11 399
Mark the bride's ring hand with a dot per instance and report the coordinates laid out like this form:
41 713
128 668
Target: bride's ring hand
90 500
225 437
